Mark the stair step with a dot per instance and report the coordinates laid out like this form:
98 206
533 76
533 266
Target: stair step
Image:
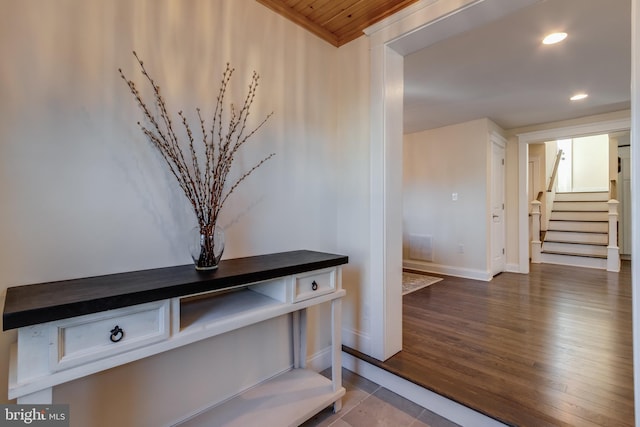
578 230
575 248
579 216
577 237
585 226
587 196
580 206
577 261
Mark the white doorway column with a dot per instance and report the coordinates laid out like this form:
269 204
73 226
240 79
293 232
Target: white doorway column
386 206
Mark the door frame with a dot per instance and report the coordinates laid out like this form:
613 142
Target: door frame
607 126
497 140
415 27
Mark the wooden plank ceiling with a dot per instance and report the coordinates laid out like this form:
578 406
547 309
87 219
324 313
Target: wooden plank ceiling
336 21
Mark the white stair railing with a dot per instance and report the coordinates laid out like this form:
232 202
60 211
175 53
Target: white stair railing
613 251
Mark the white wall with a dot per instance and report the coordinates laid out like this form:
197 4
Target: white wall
415 222
615 139
84 194
591 163
437 164
538 150
551 153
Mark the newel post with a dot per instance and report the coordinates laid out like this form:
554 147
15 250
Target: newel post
536 244
613 251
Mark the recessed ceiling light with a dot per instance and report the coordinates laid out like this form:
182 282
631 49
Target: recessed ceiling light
578 96
554 38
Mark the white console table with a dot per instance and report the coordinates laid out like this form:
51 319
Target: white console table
74 328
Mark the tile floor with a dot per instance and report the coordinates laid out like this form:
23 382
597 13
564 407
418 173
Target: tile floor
366 404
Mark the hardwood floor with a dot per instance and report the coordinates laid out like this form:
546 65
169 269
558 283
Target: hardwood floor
552 348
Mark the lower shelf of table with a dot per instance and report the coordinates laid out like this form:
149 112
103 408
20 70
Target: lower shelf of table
286 400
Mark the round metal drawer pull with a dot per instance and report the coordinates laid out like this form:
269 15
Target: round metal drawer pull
117 334
314 285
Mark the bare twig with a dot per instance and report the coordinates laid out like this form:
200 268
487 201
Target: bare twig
202 175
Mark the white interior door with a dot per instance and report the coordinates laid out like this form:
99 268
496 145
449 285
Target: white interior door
498 254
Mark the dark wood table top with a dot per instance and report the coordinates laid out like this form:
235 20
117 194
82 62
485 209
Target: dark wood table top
44 302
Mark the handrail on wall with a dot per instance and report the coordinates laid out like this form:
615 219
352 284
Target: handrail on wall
554 175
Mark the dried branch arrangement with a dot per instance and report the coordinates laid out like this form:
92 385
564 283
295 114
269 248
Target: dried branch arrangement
201 171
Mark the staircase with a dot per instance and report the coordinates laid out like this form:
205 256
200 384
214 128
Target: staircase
578 231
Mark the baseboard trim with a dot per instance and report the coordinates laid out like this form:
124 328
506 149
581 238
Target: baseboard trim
319 361
428 267
356 340
513 268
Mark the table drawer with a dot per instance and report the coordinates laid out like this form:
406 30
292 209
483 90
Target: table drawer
314 284
83 339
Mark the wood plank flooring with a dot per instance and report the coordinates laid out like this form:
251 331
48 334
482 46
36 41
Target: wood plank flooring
551 348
